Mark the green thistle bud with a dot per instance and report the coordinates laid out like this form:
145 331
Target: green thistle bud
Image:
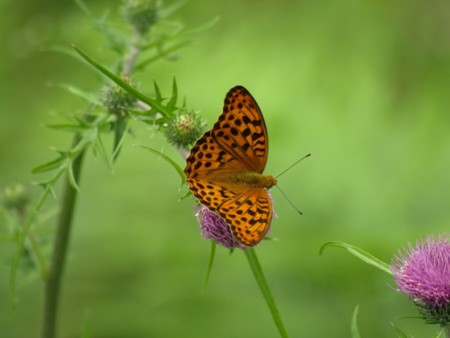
184 129
15 197
141 14
116 101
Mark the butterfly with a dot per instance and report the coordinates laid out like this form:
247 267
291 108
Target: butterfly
224 169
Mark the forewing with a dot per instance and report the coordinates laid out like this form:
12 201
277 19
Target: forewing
208 160
249 215
241 130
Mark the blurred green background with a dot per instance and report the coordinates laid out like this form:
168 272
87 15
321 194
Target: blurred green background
362 85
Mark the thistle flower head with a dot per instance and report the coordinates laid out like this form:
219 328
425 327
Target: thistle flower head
116 100
184 129
212 226
141 14
423 273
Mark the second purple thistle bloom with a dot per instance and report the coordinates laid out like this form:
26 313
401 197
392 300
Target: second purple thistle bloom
423 273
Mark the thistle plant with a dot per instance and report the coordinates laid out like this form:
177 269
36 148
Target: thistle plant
112 110
423 273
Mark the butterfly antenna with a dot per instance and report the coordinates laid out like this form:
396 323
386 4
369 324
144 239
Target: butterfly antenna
308 155
287 199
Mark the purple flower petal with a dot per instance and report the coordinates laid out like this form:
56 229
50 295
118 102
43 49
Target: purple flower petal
214 227
423 273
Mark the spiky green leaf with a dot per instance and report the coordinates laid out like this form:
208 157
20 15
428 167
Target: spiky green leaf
152 103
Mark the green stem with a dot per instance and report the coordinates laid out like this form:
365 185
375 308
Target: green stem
60 245
446 329
258 273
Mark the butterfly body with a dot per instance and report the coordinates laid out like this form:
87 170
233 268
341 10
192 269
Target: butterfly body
248 179
225 168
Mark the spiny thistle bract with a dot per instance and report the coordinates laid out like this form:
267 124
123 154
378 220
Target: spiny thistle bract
116 100
141 14
184 129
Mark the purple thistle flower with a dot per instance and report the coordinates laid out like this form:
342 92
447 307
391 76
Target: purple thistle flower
214 227
423 273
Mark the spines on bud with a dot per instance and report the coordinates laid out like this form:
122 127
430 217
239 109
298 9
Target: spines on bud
141 14
116 100
184 129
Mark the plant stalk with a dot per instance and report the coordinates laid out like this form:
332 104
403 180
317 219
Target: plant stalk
262 283
59 253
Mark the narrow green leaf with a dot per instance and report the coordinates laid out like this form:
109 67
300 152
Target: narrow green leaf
125 86
264 287
169 10
188 193
147 116
399 332
64 50
48 166
71 128
99 148
168 159
162 54
210 264
120 131
23 235
180 33
115 42
171 105
359 253
354 324
79 92
159 97
203 26
71 178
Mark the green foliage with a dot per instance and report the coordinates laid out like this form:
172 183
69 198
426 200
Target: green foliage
113 111
399 332
359 253
168 160
354 324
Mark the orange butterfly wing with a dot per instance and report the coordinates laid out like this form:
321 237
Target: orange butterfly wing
241 130
237 143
